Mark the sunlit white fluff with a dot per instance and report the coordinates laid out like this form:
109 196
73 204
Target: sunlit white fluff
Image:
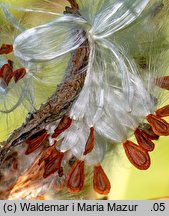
62 40
116 16
99 103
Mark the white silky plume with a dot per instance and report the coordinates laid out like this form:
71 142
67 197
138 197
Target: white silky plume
115 15
111 86
117 93
50 40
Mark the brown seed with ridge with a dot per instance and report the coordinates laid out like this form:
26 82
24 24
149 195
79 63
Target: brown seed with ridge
136 155
101 182
75 178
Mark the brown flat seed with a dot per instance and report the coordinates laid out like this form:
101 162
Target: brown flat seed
163 112
143 140
147 129
62 126
75 178
49 154
35 141
101 182
136 155
6 73
53 165
159 126
19 74
6 49
90 142
163 82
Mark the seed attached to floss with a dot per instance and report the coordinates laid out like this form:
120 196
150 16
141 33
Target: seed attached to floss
53 165
63 125
6 73
6 49
90 142
49 154
143 140
147 129
35 141
159 126
137 155
101 183
19 74
163 112
52 161
75 178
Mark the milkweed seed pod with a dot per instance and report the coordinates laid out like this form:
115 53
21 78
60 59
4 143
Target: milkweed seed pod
111 90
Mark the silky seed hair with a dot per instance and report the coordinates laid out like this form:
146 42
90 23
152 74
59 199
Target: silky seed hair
118 93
